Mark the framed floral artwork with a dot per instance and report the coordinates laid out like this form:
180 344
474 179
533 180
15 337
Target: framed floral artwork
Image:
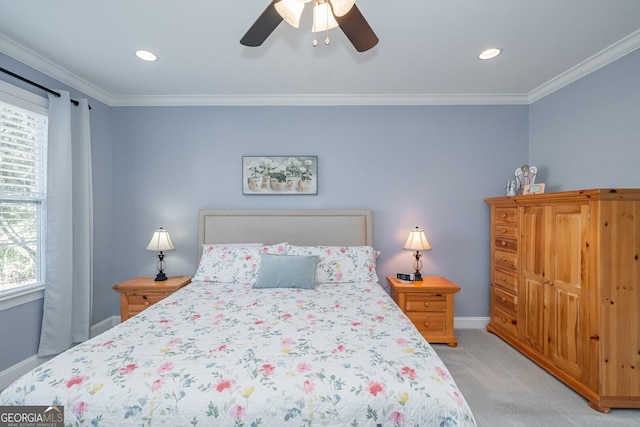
279 175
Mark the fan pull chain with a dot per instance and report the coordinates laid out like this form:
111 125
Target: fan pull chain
327 40
329 10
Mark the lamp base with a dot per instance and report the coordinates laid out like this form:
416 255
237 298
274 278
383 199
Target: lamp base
161 276
417 276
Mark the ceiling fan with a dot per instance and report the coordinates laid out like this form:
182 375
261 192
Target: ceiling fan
327 14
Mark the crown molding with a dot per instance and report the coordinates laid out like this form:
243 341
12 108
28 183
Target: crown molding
597 61
39 63
588 66
320 100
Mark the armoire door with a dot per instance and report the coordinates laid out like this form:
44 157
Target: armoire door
567 272
531 304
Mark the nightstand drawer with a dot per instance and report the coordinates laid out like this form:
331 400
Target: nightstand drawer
143 292
429 304
144 300
425 302
430 322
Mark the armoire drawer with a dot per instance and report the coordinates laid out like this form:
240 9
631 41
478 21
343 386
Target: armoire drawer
506 260
506 279
505 300
505 321
507 215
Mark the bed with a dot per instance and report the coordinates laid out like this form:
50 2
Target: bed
284 324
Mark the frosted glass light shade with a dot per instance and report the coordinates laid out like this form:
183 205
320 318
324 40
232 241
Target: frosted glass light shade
323 18
417 240
341 7
291 11
160 241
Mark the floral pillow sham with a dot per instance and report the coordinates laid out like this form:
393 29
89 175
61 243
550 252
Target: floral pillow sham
341 263
233 263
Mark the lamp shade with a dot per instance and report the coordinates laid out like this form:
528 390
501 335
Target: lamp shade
161 241
417 241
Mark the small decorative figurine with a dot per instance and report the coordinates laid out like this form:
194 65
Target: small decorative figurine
511 188
525 175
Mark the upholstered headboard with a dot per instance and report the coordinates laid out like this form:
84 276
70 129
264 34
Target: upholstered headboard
298 227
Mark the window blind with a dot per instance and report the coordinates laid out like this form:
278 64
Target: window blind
23 192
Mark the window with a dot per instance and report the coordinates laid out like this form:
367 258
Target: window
23 194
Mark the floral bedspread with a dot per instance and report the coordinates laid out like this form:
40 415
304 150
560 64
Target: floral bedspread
228 355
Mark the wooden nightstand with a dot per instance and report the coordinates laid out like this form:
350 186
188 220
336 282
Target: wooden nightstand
429 305
142 292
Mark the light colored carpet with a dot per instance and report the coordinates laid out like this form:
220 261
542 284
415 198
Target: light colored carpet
506 389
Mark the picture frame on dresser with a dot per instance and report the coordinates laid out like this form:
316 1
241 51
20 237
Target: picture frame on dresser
280 175
533 189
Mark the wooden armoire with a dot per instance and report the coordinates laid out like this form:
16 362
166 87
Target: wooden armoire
565 288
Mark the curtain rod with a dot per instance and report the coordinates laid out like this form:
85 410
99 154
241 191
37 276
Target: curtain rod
39 86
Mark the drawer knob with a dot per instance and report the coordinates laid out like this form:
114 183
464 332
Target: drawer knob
503 299
426 304
146 303
426 325
504 215
503 243
504 320
504 230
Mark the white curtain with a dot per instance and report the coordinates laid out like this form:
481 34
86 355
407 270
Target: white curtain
69 254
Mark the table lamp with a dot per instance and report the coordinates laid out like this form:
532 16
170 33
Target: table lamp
160 242
417 241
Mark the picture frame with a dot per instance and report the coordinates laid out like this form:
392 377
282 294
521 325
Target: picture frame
280 175
533 189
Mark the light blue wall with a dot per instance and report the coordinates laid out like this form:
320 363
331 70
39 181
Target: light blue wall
587 135
414 166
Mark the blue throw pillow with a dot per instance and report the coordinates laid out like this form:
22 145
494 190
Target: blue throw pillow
286 271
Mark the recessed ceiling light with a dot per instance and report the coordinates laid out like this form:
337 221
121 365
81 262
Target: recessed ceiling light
490 53
145 55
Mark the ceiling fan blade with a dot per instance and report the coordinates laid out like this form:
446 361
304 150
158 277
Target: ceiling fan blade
357 30
263 27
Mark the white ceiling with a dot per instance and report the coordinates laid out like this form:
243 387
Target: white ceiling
427 52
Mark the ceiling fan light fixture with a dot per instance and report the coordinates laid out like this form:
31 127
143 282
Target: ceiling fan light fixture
323 18
291 11
490 53
146 55
342 7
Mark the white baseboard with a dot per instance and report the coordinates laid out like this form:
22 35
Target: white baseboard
105 325
16 371
470 322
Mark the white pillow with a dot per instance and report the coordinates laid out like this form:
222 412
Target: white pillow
341 263
233 264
